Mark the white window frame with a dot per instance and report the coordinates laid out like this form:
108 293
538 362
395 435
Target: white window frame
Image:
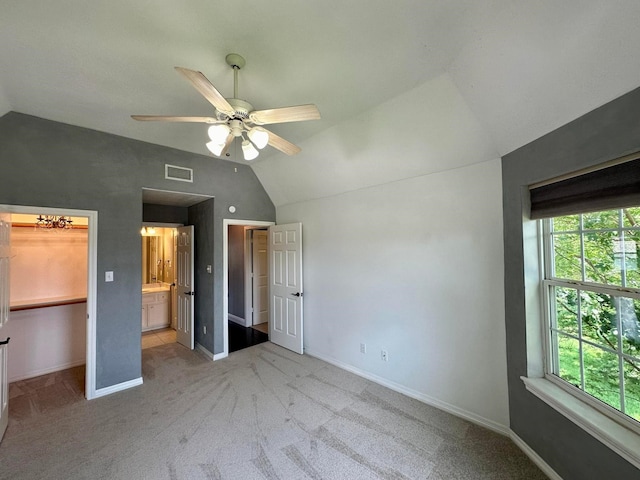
608 425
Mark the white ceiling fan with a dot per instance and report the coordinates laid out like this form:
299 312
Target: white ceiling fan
234 117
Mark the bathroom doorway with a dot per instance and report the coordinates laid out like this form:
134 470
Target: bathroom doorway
175 210
158 319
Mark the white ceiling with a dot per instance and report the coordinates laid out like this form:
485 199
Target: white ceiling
522 68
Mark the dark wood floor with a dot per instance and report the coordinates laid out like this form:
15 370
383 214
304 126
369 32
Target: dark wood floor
242 337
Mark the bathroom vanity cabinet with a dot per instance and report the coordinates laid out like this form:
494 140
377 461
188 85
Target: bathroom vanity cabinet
155 310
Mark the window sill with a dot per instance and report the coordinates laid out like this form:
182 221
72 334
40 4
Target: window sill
621 440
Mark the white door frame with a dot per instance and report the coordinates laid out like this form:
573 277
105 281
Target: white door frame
92 280
248 281
248 271
225 275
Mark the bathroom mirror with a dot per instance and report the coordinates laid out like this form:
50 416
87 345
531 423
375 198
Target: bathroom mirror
152 259
157 255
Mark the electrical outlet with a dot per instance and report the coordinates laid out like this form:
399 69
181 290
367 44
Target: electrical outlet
384 355
204 328
363 348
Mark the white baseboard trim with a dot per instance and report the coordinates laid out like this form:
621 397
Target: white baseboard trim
206 352
534 457
220 356
44 371
118 387
238 320
434 402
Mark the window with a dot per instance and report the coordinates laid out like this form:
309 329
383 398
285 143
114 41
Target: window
592 299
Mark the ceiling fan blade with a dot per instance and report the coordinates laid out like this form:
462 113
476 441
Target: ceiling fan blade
168 118
285 114
207 90
227 144
283 145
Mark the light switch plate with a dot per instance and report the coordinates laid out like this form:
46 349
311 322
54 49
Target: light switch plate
108 276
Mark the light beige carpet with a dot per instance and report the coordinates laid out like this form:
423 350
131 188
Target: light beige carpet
264 412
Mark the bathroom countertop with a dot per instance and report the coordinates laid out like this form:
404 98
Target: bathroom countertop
156 287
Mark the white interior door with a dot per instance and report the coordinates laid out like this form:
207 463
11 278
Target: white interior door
260 277
285 286
5 248
184 287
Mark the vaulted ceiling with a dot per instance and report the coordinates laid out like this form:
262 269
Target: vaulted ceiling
400 85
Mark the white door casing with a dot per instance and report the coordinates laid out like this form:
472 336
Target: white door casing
285 286
260 261
184 287
5 250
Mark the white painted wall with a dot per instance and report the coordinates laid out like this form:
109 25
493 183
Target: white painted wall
414 267
45 340
402 217
5 107
48 264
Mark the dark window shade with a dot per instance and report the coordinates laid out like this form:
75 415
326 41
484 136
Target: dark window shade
617 186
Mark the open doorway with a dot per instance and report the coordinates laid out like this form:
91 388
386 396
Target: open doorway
159 310
190 216
245 283
72 310
247 286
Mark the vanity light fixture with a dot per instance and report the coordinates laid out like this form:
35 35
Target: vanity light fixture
147 231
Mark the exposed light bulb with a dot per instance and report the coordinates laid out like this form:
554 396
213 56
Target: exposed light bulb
259 136
218 133
143 231
248 150
215 148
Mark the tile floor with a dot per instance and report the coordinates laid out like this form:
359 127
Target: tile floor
153 338
262 327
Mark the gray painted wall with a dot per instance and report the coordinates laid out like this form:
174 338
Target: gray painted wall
609 132
164 213
236 270
50 164
201 217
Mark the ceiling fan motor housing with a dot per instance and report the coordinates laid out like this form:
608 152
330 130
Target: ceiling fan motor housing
240 107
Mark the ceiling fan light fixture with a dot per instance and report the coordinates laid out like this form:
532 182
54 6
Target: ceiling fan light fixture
259 136
248 150
218 133
235 117
215 148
